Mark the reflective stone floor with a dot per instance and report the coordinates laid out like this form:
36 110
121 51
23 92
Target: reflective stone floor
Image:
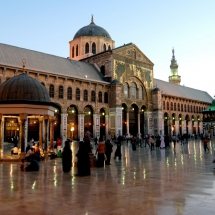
143 182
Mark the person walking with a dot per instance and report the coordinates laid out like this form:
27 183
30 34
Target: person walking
205 142
133 143
162 145
83 164
174 139
67 157
87 139
147 140
118 150
59 143
101 152
108 151
152 142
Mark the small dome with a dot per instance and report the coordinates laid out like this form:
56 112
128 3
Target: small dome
156 89
115 81
25 88
213 103
92 30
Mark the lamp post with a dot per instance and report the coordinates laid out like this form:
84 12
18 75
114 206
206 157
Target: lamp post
72 129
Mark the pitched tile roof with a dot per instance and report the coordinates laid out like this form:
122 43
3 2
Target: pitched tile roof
182 91
12 56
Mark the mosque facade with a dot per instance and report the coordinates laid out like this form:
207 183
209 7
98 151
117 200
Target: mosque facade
108 90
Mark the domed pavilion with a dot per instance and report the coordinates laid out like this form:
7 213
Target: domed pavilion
23 99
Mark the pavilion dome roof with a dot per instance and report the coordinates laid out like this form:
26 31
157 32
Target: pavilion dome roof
23 88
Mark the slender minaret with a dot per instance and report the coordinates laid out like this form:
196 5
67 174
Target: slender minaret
174 77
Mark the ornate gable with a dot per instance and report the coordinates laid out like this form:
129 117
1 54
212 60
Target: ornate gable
132 51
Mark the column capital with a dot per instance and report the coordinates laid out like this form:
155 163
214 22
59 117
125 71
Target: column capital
46 117
23 116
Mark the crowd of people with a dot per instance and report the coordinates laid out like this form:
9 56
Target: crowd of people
103 150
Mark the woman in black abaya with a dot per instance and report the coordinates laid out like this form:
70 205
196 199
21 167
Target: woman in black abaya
83 159
67 157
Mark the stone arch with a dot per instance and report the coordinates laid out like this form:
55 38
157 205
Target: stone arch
133 114
124 118
72 122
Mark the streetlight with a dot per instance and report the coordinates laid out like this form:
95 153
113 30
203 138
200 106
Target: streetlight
72 129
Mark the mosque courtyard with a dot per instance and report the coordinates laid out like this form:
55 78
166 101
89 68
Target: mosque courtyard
165 182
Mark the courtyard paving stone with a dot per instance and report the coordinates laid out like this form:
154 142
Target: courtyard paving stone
166 181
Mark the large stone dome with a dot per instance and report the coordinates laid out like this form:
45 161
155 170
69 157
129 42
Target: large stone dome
23 88
92 30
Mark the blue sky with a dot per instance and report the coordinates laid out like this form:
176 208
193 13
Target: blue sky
155 26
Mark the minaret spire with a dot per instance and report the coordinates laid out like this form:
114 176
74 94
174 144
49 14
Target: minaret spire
174 78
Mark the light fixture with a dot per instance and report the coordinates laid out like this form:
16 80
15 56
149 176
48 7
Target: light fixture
122 108
103 114
73 111
55 110
72 129
132 108
173 117
180 118
89 112
142 110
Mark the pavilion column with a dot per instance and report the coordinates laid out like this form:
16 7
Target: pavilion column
81 126
138 123
51 120
23 118
1 143
106 126
40 133
127 122
45 135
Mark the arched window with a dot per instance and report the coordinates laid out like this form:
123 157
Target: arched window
51 91
93 96
60 94
94 48
191 109
69 93
164 105
77 94
171 106
85 95
182 109
167 105
133 91
188 108
185 108
178 107
109 48
90 33
86 48
100 97
77 50
140 93
106 97
104 47
197 109
174 106
102 70
125 90
73 51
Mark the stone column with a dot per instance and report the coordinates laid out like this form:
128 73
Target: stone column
81 126
1 142
106 126
96 125
45 136
63 127
127 122
138 123
40 133
51 120
190 127
176 127
23 118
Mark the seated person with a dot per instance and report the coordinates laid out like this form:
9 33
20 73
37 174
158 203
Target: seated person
37 152
29 153
59 154
33 166
14 151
